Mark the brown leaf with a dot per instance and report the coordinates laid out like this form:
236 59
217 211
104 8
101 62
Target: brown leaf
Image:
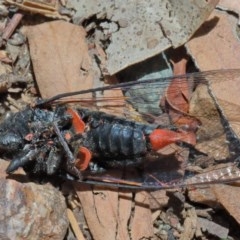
217 195
223 54
228 197
106 216
232 6
124 209
227 97
215 46
177 95
114 100
158 199
179 92
142 225
203 195
60 57
109 213
211 136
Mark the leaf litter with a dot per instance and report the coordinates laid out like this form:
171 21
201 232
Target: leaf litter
65 57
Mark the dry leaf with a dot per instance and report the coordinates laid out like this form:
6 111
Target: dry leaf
177 94
60 57
111 215
217 195
203 195
124 211
211 136
158 199
141 29
212 133
142 225
227 97
228 196
215 45
106 215
114 102
232 6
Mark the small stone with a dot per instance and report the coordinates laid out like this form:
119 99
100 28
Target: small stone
31 211
213 228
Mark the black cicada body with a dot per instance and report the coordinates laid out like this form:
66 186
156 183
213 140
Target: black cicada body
90 145
94 140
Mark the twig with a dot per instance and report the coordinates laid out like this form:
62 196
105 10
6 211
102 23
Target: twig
11 26
74 225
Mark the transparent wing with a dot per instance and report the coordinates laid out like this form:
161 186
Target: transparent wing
210 97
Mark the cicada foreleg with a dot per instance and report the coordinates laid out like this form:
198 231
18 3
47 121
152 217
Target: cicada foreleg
25 157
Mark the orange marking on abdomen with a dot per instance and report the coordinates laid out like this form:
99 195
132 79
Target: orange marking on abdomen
77 122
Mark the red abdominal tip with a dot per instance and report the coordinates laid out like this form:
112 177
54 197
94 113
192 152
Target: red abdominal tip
160 138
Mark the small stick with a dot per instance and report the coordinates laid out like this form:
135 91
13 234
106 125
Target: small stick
11 26
75 227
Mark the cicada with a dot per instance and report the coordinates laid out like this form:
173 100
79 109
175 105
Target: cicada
130 149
